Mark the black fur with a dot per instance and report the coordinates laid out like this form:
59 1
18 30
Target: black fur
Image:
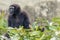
17 17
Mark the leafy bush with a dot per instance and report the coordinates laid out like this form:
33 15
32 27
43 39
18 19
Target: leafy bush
50 32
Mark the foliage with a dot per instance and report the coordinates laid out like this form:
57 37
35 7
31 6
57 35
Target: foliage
35 33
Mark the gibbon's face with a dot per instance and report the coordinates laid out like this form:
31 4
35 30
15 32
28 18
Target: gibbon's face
11 10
